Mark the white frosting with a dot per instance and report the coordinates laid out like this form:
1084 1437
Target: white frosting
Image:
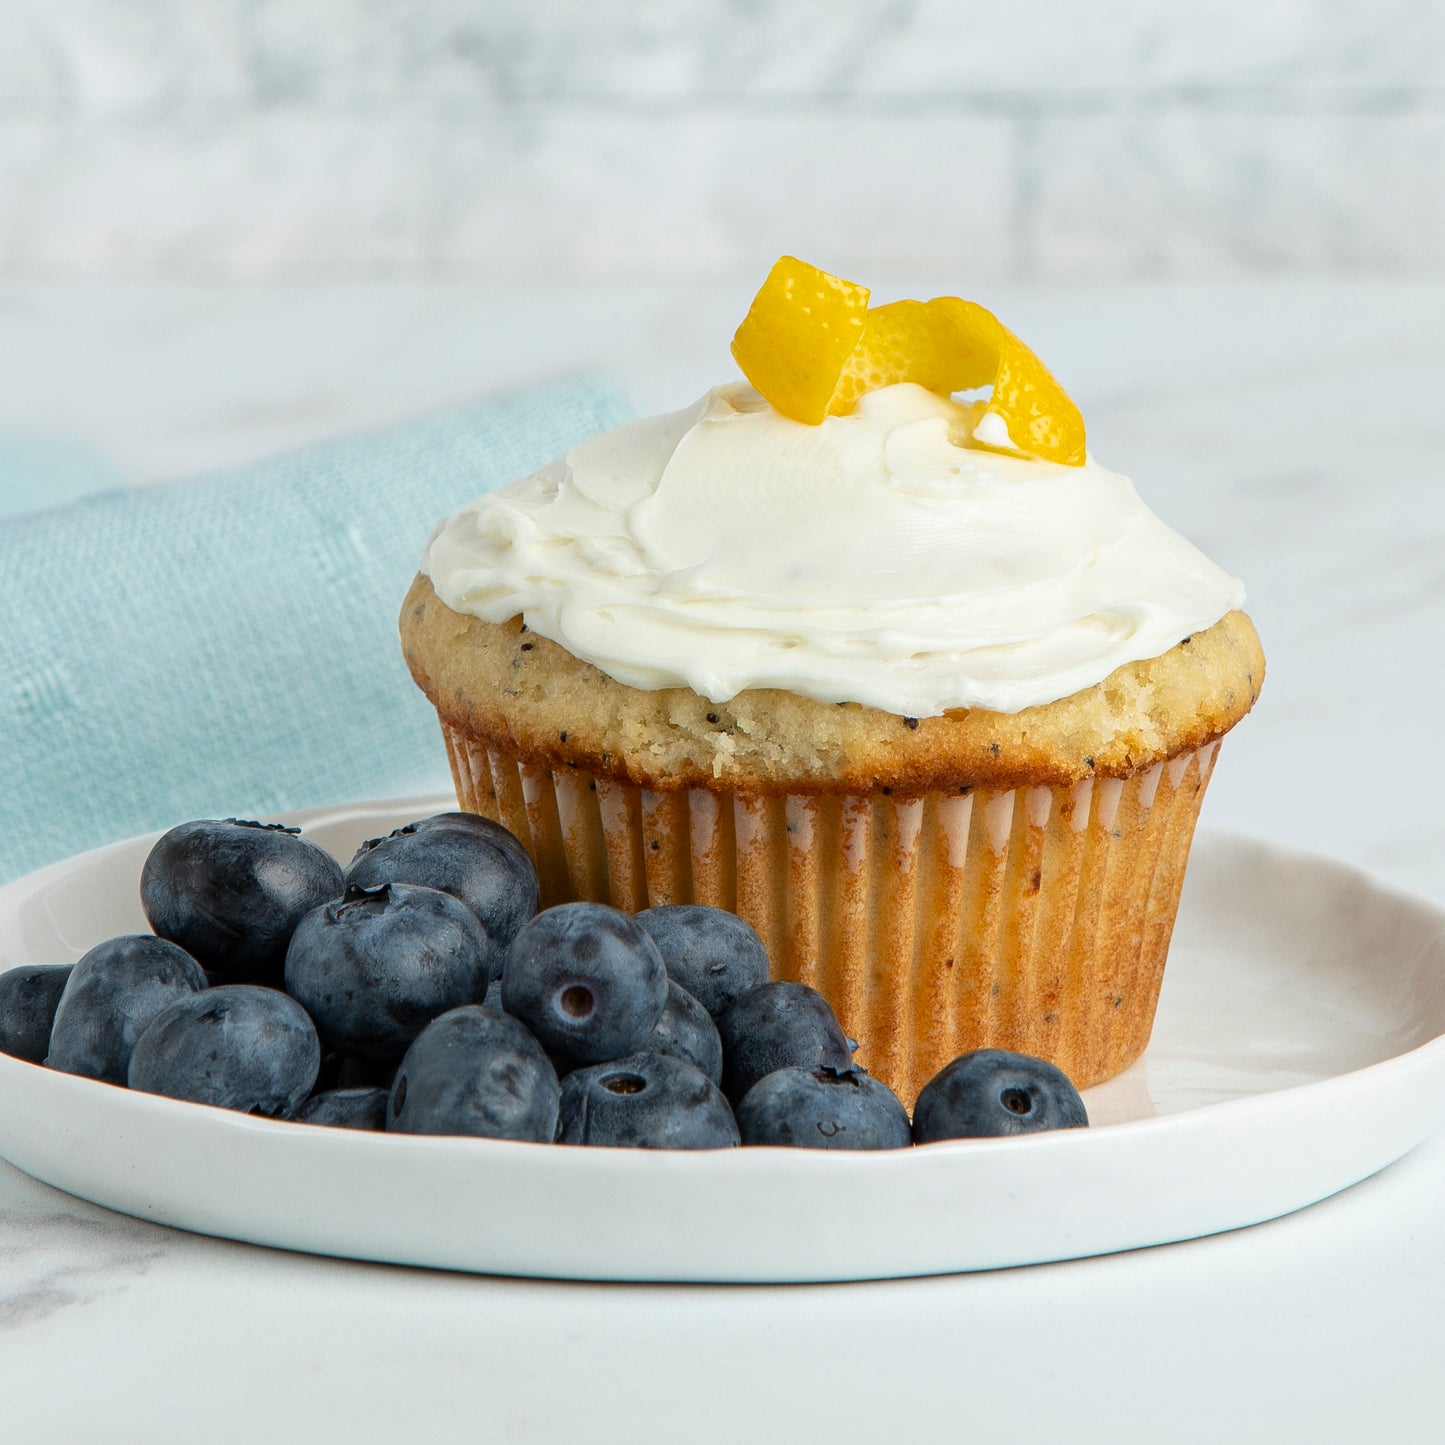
992 431
881 557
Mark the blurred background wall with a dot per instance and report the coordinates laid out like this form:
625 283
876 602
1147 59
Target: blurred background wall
281 140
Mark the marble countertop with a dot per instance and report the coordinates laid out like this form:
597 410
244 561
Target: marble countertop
1294 431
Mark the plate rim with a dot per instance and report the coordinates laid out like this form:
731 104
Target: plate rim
1152 1150
1251 1103
1227 837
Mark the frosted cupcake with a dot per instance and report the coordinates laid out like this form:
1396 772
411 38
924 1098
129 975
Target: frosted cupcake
931 711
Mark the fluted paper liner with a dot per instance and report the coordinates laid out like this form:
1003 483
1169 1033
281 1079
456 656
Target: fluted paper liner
1035 919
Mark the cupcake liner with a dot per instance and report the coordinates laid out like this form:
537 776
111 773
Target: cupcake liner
1036 919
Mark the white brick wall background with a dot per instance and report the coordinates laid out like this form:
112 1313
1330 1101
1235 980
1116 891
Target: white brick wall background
692 139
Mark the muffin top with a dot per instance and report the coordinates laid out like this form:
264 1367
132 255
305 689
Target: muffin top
501 684
841 574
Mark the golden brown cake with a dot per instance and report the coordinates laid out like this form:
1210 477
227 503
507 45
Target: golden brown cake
933 712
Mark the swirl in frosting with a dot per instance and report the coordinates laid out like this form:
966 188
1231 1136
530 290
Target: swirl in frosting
884 557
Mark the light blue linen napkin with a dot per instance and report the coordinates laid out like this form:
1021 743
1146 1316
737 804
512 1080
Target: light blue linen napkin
228 646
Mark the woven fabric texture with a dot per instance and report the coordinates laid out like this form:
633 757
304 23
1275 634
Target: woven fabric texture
227 646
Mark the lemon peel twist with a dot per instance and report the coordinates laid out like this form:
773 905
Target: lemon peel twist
798 334
812 346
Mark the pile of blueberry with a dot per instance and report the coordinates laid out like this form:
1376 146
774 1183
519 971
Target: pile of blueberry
421 991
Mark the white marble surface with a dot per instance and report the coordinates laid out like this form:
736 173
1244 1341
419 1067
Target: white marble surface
622 139
1294 431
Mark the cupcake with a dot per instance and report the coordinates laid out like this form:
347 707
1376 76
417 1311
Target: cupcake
911 683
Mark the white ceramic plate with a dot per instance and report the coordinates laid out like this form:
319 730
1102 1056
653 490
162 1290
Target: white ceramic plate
1297 1051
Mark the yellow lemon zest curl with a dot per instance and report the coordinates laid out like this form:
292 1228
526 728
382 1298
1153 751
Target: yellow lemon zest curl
812 346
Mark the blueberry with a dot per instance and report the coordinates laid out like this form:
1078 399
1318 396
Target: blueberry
231 893
587 981
494 996
645 1101
463 854
111 996
29 996
235 1047
823 1108
774 1026
376 966
990 1093
345 1109
713 954
474 1071
686 1031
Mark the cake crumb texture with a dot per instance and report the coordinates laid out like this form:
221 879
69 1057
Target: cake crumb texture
506 686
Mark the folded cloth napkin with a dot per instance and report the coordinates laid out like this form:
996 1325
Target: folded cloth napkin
227 646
